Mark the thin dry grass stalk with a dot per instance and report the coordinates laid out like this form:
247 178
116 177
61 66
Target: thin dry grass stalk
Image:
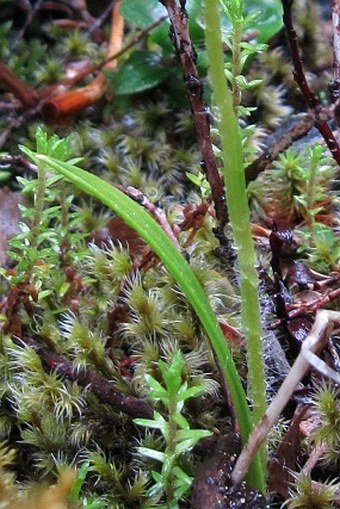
307 358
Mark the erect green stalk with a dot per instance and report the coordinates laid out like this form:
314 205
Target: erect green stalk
236 62
238 208
170 453
38 202
39 197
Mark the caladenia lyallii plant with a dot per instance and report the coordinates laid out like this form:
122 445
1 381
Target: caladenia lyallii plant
174 261
227 102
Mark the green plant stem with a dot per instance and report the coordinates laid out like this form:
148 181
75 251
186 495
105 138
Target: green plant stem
238 209
65 223
236 63
150 231
170 453
38 211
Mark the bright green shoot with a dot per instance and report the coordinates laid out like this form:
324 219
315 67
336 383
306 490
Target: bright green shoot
234 178
171 480
75 498
151 232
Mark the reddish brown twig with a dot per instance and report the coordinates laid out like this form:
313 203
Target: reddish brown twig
16 122
62 107
320 120
8 80
295 310
97 67
334 84
156 212
31 13
17 160
179 33
100 20
102 388
303 124
27 94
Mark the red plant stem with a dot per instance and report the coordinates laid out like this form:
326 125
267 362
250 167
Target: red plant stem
156 212
32 10
179 33
303 124
100 20
311 98
314 306
334 84
8 80
102 388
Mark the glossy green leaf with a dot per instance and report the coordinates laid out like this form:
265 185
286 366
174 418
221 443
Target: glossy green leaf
142 13
172 374
158 422
270 18
151 453
181 421
142 71
190 393
157 389
193 434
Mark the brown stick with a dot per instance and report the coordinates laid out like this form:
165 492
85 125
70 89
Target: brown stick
139 37
298 129
156 212
334 84
104 390
8 80
299 75
31 13
100 20
49 92
179 33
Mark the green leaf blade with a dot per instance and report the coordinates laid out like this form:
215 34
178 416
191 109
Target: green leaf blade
151 232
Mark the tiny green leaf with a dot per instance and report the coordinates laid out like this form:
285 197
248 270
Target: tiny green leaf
151 453
190 393
181 421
